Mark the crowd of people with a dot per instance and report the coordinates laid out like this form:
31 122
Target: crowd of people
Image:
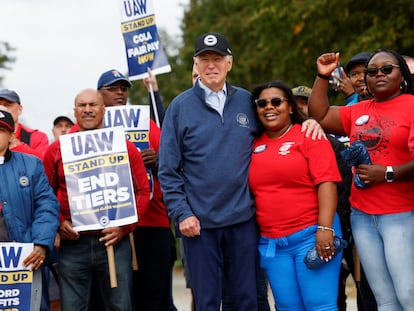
254 183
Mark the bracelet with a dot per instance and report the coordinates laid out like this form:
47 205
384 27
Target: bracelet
323 228
323 76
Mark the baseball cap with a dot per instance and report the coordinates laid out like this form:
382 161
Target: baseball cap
10 96
63 117
360 58
6 120
110 77
212 42
302 90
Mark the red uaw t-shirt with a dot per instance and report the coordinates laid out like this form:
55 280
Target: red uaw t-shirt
387 130
283 177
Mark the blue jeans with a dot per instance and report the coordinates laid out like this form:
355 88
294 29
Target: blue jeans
85 259
385 245
294 286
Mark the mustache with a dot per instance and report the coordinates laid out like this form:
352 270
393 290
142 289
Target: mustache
88 114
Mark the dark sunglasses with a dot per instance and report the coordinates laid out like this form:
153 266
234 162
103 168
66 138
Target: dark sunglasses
387 69
275 101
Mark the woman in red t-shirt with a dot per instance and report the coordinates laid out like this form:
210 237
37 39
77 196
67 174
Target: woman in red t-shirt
293 180
382 217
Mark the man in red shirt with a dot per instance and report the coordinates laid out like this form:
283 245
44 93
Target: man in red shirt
82 255
152 282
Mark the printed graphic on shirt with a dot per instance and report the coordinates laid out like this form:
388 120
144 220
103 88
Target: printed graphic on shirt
285 147
375 133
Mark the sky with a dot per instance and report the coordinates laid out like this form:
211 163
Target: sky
63 46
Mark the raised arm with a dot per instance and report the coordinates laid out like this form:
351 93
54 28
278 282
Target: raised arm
319 109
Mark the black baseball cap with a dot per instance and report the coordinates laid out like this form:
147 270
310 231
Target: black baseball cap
6 120
360 58
212 42
61 118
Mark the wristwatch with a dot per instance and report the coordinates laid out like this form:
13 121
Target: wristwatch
389 174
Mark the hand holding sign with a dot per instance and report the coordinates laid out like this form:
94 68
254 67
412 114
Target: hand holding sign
112 236
35 258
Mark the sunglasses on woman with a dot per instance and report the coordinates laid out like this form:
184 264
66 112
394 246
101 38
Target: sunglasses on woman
275 101
387 69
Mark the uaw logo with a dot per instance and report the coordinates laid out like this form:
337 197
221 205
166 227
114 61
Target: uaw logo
285 148
210 40
24 181
242 119
116 73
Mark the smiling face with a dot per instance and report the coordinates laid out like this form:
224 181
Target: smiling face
384 86
356 75
213 68
276 120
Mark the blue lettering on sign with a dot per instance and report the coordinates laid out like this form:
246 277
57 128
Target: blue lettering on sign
92 143
126 117
135 7
10 258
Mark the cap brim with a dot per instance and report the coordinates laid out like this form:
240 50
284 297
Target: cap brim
10 99
354 62
116 80
211 50
6 126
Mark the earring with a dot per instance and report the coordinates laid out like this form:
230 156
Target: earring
404 86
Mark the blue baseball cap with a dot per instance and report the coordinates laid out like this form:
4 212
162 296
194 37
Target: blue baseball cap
10 96
110 77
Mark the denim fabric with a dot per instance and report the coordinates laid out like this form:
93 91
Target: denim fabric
84 259
385 245
294 286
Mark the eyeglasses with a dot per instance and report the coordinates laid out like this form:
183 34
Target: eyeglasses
275 101
114 88
387 69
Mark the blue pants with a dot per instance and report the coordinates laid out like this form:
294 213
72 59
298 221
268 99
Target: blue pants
230 251
85 259
294 286
385 245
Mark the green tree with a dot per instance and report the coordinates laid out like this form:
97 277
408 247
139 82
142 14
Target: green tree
5 58
282 39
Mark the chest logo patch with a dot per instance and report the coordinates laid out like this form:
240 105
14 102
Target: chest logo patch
24 181
242 119
285 148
